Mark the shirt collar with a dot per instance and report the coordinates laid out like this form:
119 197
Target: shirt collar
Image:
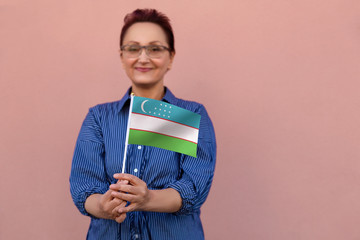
168 97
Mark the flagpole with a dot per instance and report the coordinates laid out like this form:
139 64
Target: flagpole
127 133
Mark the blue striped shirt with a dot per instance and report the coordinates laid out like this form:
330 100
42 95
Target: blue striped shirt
98 155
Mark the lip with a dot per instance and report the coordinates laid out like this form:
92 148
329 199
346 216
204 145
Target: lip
142 69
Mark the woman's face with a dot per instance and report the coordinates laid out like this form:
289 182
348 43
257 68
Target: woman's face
144 71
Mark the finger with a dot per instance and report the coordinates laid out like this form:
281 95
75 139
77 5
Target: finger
114 205
125 196
107 196
115 186
123 182
130 208
129 177
115 212
115 202
120 204
109 206
123 188
120 218
107 203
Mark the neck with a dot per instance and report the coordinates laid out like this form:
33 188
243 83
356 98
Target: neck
153 93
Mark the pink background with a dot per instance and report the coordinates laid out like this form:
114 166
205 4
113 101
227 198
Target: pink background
279 78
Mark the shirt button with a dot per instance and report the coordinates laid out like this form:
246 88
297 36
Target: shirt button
139 147
135 170
136 236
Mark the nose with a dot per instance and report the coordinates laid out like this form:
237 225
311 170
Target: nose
143 57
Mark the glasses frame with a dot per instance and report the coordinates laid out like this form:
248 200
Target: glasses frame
144 47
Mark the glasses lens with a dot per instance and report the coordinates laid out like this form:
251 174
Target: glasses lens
155 51
132 51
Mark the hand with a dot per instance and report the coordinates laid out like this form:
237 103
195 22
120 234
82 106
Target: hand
107 203
136 192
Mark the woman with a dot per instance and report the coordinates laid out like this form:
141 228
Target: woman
161 192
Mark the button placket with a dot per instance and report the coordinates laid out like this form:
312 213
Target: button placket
138 159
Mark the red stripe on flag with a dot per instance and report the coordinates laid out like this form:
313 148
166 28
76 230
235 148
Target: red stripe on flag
164 119
162 134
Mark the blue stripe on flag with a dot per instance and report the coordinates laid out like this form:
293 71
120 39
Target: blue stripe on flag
166 111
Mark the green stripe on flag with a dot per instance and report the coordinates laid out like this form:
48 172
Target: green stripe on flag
162 141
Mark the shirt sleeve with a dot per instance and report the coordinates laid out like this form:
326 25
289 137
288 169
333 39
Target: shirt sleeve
88 171
197 173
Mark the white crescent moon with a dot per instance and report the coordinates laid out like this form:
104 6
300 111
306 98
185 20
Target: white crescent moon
142 106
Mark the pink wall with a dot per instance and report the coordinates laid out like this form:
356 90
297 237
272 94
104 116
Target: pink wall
279 78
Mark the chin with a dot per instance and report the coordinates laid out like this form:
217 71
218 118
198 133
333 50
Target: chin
145 84
145 81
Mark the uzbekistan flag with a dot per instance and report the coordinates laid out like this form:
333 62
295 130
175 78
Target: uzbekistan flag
163 125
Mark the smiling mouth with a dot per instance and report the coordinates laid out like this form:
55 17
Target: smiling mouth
140 69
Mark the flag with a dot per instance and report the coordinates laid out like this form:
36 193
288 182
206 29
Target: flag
163 125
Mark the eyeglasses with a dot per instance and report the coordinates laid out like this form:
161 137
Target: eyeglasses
152 51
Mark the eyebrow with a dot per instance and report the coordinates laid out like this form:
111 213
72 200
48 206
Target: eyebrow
153 42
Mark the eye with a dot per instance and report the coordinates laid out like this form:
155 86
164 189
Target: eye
155 48
133 48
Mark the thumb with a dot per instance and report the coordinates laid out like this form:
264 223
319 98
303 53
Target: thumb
107 195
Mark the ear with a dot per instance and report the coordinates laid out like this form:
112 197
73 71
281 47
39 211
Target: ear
121 58
172 56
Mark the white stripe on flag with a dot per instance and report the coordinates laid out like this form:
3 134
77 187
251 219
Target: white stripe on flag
158 125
